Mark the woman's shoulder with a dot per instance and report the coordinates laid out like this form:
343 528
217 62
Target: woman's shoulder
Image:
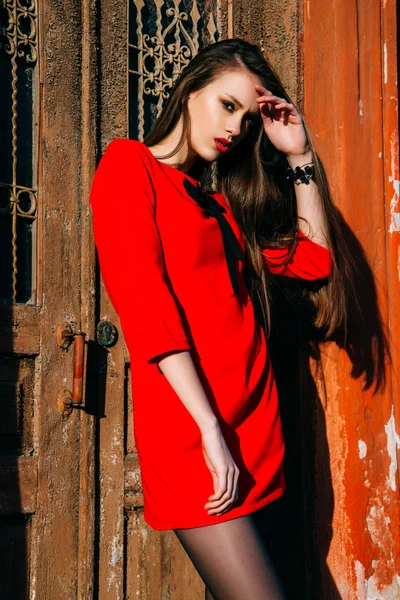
124 164
125 146
127 156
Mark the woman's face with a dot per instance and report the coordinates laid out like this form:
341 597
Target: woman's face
221 113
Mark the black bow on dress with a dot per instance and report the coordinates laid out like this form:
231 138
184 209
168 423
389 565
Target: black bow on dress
214 209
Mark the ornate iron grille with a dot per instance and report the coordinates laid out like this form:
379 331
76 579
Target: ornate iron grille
18 199
163 36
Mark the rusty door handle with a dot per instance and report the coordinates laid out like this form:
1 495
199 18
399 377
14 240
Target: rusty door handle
79 357
67 401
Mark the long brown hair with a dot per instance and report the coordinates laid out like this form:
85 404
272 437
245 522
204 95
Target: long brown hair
252 176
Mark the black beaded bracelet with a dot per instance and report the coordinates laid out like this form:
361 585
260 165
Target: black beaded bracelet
299 175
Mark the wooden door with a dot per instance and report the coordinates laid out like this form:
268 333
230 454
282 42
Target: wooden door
46 499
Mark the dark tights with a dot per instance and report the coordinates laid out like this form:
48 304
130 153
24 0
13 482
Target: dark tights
232 560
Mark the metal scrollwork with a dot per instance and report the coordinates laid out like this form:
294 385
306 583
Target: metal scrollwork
21 31
166 35
20 44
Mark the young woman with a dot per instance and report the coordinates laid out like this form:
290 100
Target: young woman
183 268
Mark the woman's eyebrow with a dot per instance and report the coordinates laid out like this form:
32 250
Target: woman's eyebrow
240 105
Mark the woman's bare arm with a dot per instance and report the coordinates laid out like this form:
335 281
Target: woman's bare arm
309 204
181 374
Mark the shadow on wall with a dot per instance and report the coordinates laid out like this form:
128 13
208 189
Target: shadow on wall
300 541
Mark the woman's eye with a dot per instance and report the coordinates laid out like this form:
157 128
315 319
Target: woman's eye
228 105
249 119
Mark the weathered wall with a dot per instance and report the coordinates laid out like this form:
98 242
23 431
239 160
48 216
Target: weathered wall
350 101
339 63
276 27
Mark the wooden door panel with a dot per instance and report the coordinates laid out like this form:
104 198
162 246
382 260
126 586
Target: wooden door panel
19 315
56 520
19 329
157 565
41 153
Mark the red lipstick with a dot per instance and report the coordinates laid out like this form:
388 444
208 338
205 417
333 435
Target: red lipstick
222 144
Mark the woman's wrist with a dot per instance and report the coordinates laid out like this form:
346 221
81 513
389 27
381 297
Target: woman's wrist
208 425
297 160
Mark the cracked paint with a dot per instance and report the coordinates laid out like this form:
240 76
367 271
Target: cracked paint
393 443
362 449
375 591
361 583
394 203
398 262
369 589
116 550
385 65
378 526
395 216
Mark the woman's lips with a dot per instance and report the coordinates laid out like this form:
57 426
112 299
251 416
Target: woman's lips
222 144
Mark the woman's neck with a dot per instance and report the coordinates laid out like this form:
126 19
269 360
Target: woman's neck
183 160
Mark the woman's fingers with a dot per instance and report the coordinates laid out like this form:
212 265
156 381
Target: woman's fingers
228 505
275 101
224 501
224 507
216 483
221 488
225 493
221 480
268 96
224 471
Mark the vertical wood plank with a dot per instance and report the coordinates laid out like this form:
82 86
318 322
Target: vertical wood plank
112 122
157 566
87 466
54 525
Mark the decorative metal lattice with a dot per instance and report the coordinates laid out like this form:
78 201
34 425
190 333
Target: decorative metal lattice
163 37
18 199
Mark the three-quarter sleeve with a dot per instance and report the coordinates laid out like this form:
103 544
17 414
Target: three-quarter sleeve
130 252
309 260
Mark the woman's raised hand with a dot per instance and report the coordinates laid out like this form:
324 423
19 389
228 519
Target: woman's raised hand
223 469
282 123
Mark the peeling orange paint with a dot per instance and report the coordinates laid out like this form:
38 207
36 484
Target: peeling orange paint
351 100
395 200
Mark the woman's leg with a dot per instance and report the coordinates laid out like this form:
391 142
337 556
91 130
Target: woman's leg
232 560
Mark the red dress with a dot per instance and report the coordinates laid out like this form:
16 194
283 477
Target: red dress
164 267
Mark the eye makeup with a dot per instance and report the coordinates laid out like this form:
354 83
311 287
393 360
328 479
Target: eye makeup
251 118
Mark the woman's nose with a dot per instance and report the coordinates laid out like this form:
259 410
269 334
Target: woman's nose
234 127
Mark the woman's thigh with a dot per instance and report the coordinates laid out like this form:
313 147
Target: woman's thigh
232 560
